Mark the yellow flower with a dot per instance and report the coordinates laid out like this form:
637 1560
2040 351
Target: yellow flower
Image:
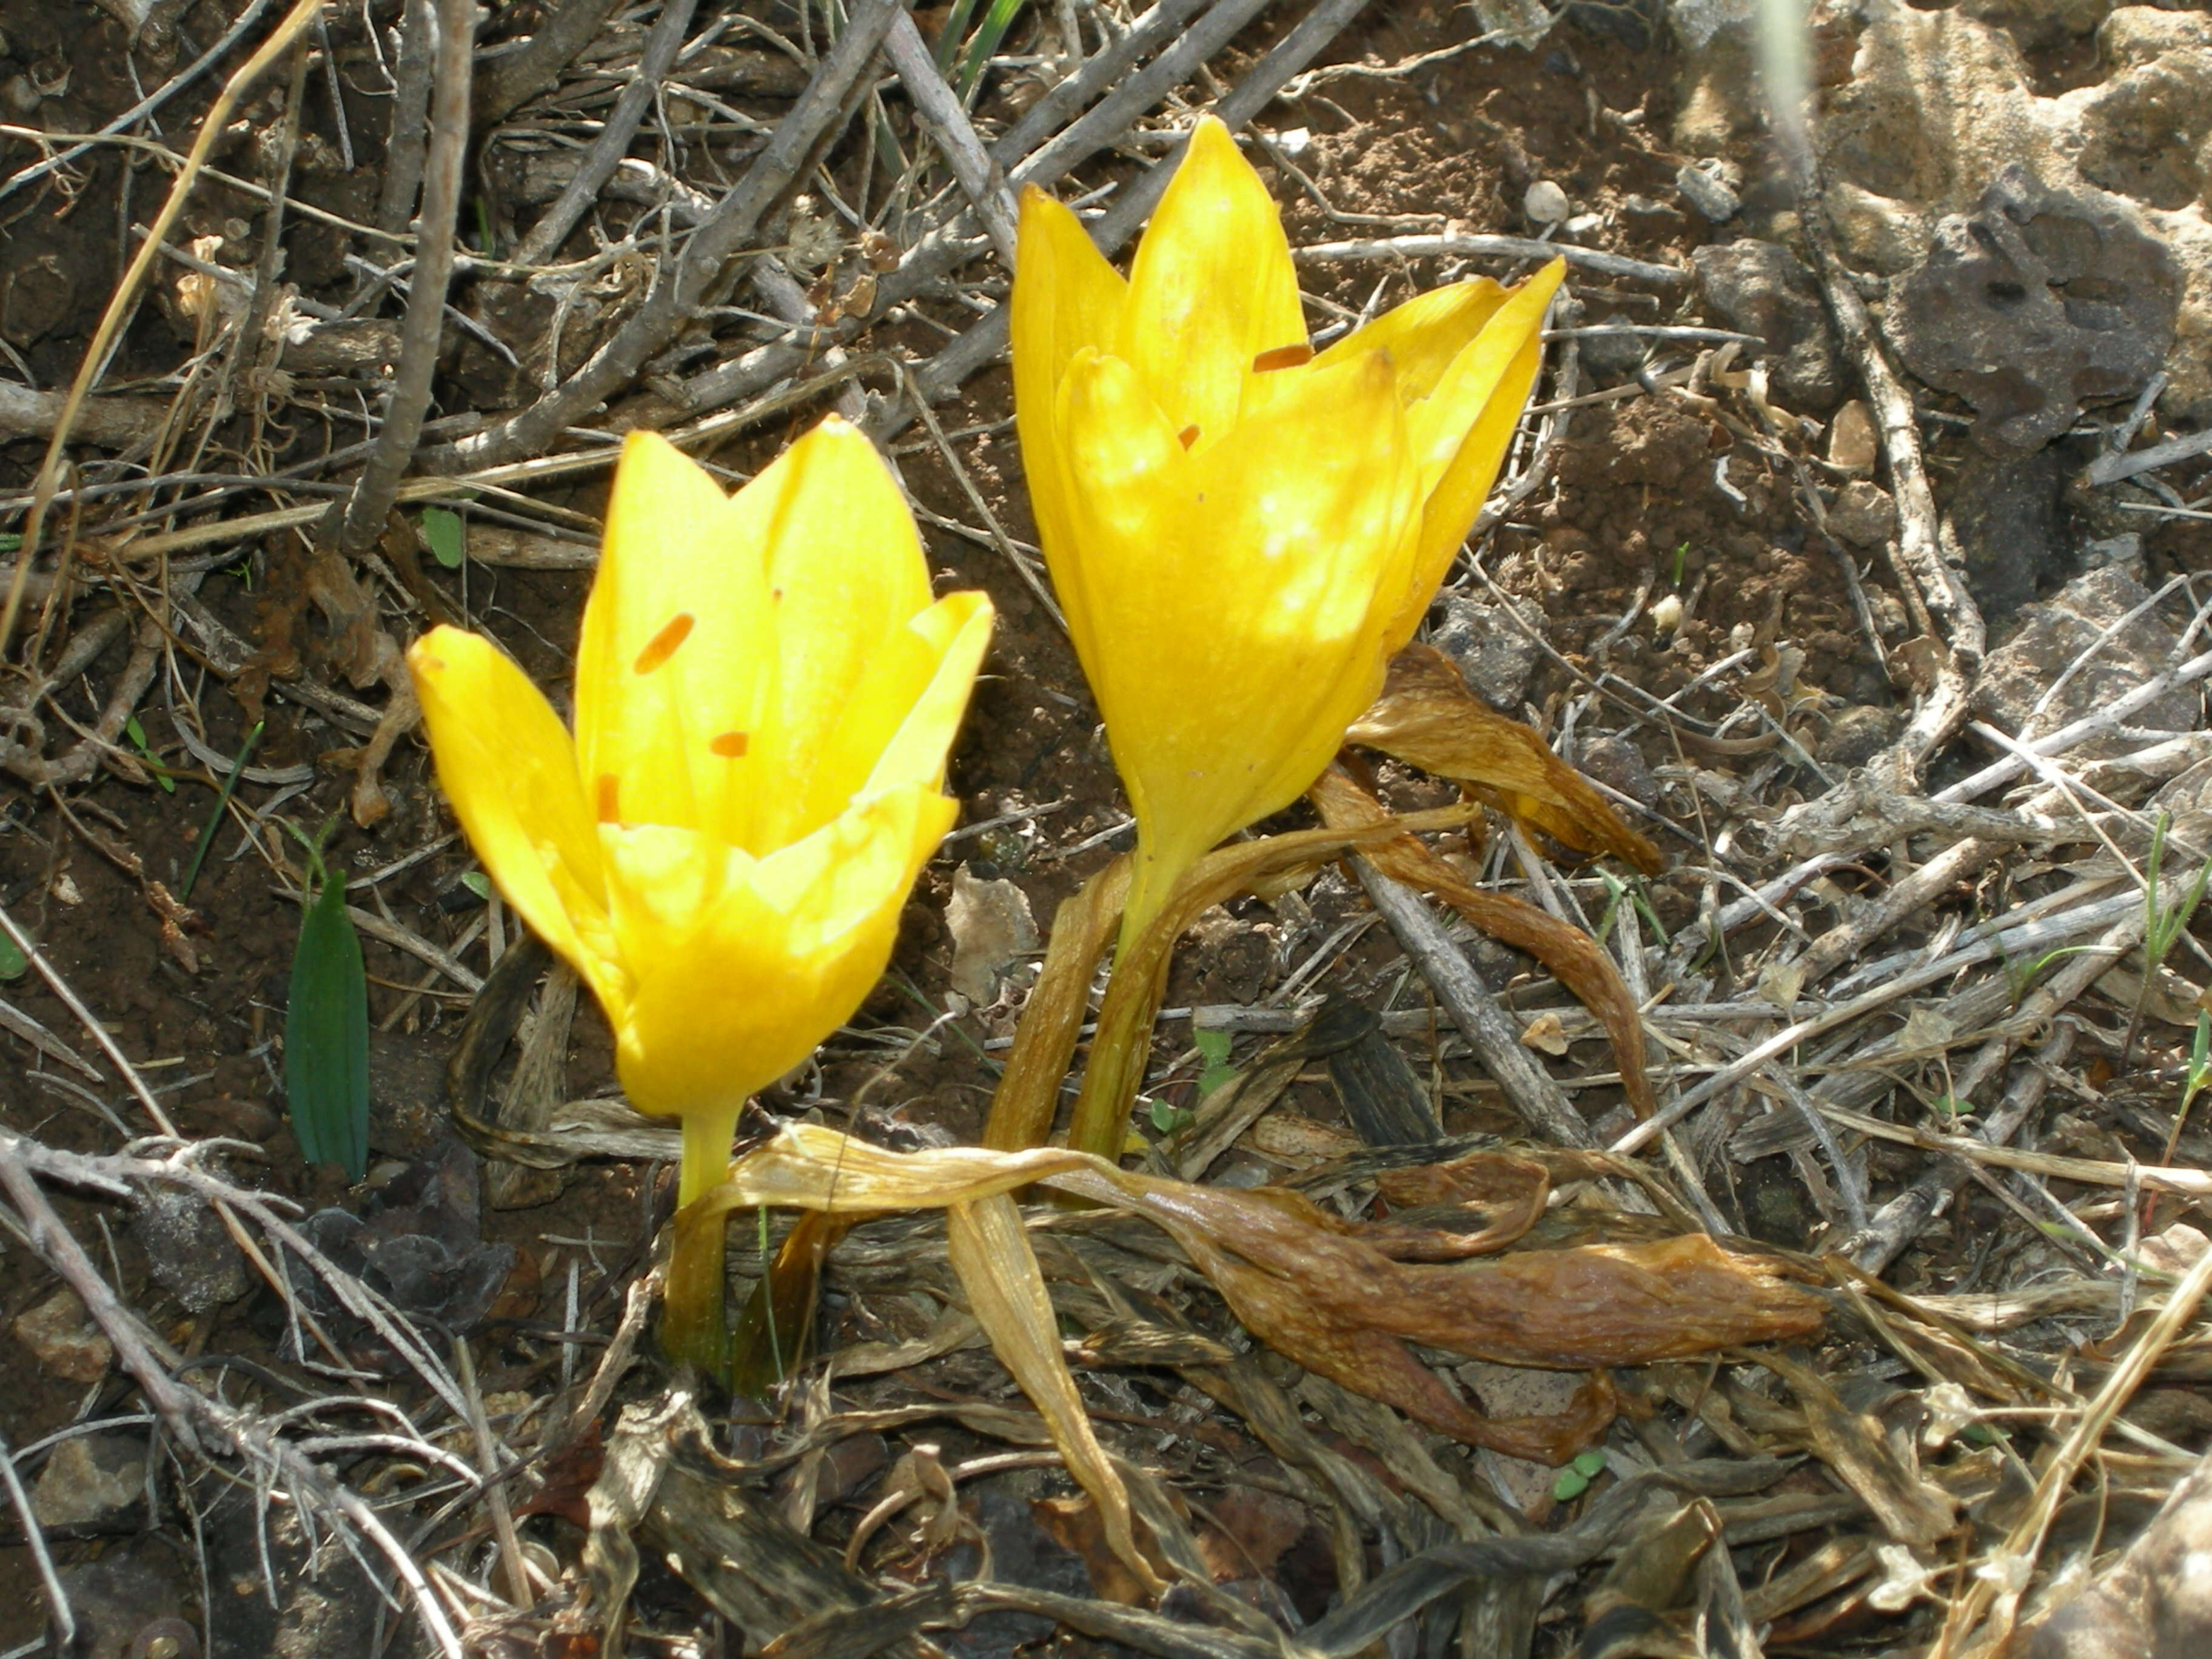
1242 532
765 694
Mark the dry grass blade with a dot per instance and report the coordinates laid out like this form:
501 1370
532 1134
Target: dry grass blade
125 297
1428 718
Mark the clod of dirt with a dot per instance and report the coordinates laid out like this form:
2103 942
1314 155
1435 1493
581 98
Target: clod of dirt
66 1341
1497 657
91 1482
2004 510
2037 303
1864 514
418 1244
1763 289
1855 736
189 1249
2055 634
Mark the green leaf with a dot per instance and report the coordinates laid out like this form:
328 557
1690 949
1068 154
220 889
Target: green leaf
13 965
11 543
1213 1048
137 734
1590 1465
1571 1484
478 882
1167 1118
326 1035
442 534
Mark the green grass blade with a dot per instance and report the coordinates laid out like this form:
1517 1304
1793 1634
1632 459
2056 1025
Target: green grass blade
221 805
949 32
327 1036
996 22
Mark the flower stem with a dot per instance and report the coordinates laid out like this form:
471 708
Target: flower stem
694 1329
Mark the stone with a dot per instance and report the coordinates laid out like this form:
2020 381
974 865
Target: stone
1940 102
190 1250
91 1481
2003 510
2055 634
992 930
2123 551
1613 357
1706 191
1615 762
1761 288
61 1334
1855 736
1853 444
1497 657
2134 36
1863 515
2039 303
2039 25
127 1604
1716 98
1545 204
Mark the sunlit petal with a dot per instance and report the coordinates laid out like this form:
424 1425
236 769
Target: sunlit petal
1212 289
507 764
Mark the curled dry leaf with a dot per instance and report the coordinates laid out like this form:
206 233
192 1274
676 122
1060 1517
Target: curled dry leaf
1573 957
1341 1298
1123 1042
1427 717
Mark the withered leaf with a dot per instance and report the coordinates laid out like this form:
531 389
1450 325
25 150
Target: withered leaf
1573 957
1911 1509
1427 717
1319 1289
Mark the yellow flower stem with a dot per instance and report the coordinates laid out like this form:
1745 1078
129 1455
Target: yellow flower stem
1123 1044
694 1330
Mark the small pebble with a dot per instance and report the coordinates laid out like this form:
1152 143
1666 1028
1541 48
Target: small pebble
1545 203
1709 195
1851 439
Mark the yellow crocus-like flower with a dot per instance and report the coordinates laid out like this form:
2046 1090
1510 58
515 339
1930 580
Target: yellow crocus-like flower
765 694
1242 532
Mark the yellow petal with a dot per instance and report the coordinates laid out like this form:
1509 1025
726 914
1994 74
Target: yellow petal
1066 297
778 959
1424 335
1460 431
1239 593
507 764
676 650
847 573
951 636
1211 289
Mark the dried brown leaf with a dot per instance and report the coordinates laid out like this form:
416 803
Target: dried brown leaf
1052 1020
1123 1042
1911 1509
1427 716
1316 1287
1573 957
